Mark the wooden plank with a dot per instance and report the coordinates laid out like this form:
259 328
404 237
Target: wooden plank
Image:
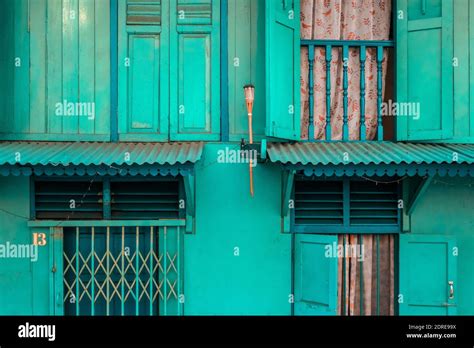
21 122
105 223
54 64
38 66
7 66
239 63
70 62
86 64
471 68
461 71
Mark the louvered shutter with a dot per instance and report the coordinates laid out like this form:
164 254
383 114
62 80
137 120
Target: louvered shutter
68 200
145 200
318 203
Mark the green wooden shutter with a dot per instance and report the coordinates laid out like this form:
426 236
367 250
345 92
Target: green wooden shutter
151 200
143 70
65 200
195 69
425 68
315 275
427 266
282 64
319 203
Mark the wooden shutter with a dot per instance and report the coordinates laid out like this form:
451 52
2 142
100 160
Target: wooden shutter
282 64
372 204
315 275
143 70
145 200
65 200
319 203
427 267
195 69
425 68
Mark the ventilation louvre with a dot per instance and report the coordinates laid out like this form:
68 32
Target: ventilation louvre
145 200
194 12
68 200
318 203
353 205
143 12
372 204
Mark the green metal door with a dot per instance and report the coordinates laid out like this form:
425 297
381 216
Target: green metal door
119 270
427 275
315 275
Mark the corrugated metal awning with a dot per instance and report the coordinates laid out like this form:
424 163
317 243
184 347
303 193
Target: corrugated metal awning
375 158
86 158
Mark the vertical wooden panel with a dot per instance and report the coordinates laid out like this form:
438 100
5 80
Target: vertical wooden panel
461 71
144 83
194 82
54 64
102 67
282 54
425 69
471 66
195 70
144 73
21 53
86 62
7 66
246 42
70 62
38 66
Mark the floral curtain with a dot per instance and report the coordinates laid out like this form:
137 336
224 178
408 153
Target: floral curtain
342 20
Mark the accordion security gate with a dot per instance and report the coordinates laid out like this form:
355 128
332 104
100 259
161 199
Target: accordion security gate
127 268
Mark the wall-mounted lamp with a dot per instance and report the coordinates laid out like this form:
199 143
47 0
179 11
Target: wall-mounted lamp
249 92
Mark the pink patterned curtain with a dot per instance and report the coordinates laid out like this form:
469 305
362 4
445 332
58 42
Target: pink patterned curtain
342 20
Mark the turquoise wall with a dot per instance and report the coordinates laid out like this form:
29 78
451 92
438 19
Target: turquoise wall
259 280
447 208
16 287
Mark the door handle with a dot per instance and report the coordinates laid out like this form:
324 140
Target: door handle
451 289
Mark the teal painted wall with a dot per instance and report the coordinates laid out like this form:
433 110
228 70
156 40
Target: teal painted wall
24 285
447 209
259 280
15 274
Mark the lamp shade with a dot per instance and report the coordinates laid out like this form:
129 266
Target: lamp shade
249 91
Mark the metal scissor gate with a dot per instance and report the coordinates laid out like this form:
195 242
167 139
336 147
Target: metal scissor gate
124 269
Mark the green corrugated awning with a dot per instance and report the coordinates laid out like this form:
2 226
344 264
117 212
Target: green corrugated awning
375 158
87 158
